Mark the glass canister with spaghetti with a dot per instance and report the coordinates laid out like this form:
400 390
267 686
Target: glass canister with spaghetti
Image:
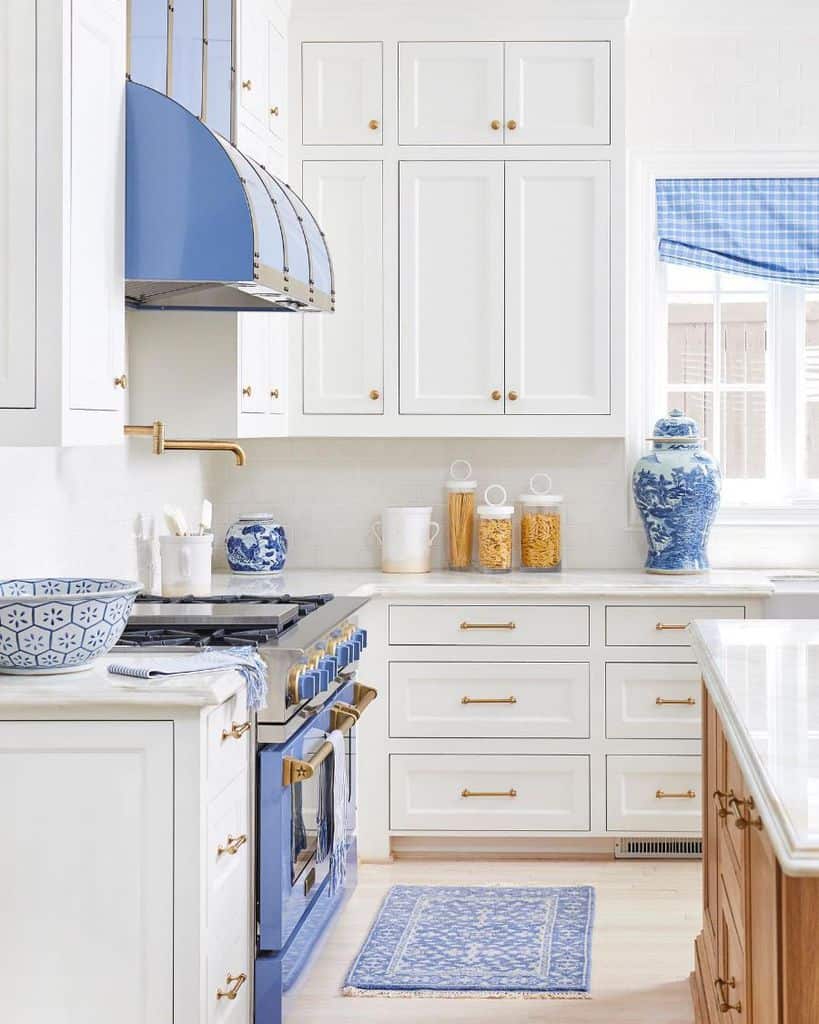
541 527
460 499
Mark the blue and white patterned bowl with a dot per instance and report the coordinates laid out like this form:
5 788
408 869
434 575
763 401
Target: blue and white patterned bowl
256 545
60 624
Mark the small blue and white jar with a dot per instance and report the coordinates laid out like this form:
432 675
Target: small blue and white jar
676 490
256 545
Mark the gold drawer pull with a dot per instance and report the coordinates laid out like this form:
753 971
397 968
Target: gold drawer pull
720 798
236 731
488 625
232 846
722 985
234 983
672 625
465 793
689 794
689 701
489 700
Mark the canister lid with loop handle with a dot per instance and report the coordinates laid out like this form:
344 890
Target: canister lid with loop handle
538 494
460 477
497 509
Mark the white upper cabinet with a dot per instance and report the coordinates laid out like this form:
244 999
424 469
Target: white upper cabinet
557 287
451 285
277 109
261 78
254 362
253 62
341 93
344 352
450 94
557 93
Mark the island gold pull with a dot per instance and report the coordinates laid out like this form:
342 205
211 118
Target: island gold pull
722 985
489 700
689 701
488 625
738 808
234 983
671 625
720 798
510 793
236 731
232 846
689 794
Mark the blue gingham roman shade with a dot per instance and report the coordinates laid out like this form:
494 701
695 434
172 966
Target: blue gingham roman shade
759 227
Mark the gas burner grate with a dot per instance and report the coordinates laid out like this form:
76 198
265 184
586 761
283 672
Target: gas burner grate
306 603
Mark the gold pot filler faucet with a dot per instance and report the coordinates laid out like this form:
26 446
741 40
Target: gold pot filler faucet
162 444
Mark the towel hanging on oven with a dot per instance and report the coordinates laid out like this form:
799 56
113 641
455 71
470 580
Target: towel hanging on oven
331 812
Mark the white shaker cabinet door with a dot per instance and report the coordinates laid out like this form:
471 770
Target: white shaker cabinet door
344 352
97 206
86 908
557 287
450 94
341 93
451 284
18 179
277 107
254 345
253 59
557 93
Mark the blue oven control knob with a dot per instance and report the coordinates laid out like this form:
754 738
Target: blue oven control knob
323 677
308 684
360 636
330 665
345 653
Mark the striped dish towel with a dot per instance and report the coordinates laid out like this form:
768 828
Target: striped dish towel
245 660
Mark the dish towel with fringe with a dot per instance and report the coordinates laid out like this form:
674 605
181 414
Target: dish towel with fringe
245 660
331 812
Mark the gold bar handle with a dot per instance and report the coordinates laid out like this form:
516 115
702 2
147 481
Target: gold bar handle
689 794
232 845
720 798
738 808
234 983
236 731
510 793
489 700
688 701
488 625
672 625
722 985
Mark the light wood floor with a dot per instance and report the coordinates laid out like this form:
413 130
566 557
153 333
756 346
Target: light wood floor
647 916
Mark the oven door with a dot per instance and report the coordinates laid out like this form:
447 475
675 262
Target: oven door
289 878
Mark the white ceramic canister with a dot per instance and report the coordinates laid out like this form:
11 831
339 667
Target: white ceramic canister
406 536
186 564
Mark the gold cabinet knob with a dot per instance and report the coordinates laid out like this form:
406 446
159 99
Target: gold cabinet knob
375 394
274 111
512 396
511 125
495 125
274 393
247 84
248 390
121 381
373 125
236 731
496 395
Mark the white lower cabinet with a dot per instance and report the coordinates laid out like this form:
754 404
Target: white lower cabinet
648 701
489 792
653 793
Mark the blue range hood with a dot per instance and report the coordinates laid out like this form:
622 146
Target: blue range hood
208 228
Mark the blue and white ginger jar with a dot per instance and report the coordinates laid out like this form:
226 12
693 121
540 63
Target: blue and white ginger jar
256 545
676 489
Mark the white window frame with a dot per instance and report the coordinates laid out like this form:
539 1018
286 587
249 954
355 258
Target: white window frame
744 503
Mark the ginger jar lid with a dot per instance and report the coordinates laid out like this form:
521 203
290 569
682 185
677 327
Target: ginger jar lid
676 426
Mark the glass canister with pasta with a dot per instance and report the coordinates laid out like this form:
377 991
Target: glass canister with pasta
495 531
460 514
541 522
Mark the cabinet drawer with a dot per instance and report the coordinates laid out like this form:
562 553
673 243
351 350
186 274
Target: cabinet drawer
229 738
485 625
661 625
653 701
489 792
650 793
489 699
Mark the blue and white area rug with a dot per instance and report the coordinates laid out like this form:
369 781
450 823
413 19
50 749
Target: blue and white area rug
478 941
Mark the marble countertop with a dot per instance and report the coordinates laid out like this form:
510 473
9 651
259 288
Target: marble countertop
96 685
581 583
763 676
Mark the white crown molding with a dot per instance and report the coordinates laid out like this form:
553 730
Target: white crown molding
575 10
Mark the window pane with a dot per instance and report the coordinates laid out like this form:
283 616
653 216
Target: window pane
697 404
743 434
812 386
690 341
689 279
737 283
744 334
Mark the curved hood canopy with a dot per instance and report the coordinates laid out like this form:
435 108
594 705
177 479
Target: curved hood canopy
207 227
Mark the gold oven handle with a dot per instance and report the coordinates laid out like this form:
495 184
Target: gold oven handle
689 794
488 625
234 983
236 731
689 701
489 700
511 793
672 625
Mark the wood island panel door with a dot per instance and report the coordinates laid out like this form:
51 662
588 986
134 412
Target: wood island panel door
451 286
710 819
86 912
557 287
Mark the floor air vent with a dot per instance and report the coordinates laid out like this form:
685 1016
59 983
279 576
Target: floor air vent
679 849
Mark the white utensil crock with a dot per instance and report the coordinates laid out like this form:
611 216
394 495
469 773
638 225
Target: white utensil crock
406 536
186 563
